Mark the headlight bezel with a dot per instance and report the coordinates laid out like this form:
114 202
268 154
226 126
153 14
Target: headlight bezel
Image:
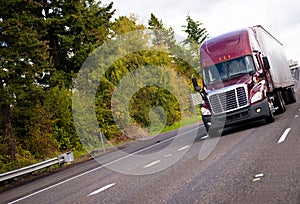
205 111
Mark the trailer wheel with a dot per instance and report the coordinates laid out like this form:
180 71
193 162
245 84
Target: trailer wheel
279 103
291 95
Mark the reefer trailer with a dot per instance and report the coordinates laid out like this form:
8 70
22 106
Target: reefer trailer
245 77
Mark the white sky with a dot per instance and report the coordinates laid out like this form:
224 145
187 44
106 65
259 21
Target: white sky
279 17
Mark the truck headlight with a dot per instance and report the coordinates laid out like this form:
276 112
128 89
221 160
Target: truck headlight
205 111
256 97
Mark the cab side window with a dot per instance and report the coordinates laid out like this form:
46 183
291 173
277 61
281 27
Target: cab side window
257 64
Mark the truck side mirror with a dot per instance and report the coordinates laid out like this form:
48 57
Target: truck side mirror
266 63
195 84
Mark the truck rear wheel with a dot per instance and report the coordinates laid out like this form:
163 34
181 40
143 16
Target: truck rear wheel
279 103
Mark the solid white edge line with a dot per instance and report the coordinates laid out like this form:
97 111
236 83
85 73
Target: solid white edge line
102 189
283 136
97 168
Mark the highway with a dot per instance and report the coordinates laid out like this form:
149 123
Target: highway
253 163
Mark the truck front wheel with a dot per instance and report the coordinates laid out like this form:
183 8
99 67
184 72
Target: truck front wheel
213 132
270 117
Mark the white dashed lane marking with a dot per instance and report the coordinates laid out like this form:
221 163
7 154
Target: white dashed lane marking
151 164
204 137
168 155
102 189
183 148
283 136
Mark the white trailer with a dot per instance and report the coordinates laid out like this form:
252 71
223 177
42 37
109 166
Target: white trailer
274 50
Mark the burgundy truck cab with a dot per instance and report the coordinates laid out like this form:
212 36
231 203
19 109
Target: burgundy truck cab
236 81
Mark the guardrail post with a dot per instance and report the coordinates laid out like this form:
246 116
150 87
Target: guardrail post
69 157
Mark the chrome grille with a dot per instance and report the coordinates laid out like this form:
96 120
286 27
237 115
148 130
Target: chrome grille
229 99
242 96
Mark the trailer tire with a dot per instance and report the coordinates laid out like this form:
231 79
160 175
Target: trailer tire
291 95
279 103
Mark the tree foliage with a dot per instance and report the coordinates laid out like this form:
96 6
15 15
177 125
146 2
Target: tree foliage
24 59
196 34
43 46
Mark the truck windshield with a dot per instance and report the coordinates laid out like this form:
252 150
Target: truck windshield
227 70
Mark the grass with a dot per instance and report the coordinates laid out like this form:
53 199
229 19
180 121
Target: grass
184 122
108 144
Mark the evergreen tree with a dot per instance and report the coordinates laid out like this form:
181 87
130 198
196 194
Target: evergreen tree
43 44
75 29
24 59
180 56
196 34
163 36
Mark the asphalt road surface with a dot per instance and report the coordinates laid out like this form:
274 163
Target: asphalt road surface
254 163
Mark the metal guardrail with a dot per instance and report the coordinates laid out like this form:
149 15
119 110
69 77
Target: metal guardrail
63 158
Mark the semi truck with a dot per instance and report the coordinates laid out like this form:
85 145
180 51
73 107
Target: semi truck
245 77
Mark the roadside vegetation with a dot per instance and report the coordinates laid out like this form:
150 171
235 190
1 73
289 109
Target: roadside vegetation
43 46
